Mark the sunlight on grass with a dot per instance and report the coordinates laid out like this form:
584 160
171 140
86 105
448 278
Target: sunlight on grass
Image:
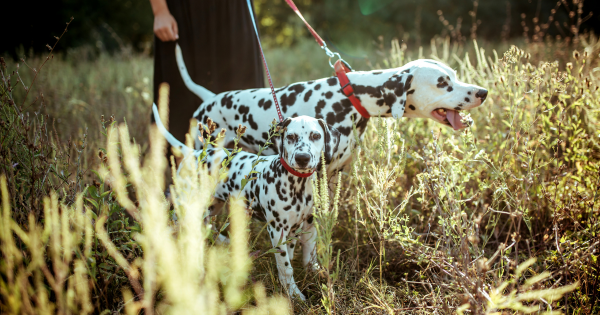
502 217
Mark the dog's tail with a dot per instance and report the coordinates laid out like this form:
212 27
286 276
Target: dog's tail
201 91
172 140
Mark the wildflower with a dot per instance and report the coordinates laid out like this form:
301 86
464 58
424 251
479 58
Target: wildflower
201 129
241 130
211 125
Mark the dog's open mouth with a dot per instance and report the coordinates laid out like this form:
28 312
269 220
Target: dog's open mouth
456 119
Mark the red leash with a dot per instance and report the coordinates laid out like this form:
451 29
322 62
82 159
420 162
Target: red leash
316 36
312 31
341 67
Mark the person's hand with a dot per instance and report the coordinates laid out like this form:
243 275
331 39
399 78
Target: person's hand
165 27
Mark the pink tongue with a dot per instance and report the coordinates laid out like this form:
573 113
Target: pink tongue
454 119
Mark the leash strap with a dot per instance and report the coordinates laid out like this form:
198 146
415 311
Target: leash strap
280 116
312 31
264 60
316 36
340 70
341 67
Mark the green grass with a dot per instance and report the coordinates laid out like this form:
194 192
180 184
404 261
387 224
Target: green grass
429 220
81 86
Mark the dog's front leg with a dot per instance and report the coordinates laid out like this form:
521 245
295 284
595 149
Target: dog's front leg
309 240
292 244
284 266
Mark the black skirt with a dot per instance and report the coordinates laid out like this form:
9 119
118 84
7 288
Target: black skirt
220 51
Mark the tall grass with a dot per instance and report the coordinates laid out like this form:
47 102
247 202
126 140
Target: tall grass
177 272
501 217
81 85
186 273
522 182
326 215
44 267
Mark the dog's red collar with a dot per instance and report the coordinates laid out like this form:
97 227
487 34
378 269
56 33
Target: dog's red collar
292 171
347 90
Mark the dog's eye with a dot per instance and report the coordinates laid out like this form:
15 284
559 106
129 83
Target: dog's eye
290 137
315 136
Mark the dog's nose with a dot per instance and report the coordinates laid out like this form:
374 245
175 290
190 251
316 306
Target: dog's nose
302 159
482 94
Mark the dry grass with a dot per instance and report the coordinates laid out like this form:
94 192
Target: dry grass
428 220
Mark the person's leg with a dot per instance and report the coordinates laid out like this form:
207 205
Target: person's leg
224 46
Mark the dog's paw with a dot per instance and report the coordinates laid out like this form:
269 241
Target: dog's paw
314 267
317 269
294 292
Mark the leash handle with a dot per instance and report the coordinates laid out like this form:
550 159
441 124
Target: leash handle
262 54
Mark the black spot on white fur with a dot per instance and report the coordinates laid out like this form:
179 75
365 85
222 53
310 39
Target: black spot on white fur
321 99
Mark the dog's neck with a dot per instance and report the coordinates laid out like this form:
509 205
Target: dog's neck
368 87
296 184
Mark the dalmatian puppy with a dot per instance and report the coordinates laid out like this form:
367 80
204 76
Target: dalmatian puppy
282 197
420 89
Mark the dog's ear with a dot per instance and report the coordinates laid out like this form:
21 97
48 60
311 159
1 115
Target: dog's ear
332 140
278 140
396 90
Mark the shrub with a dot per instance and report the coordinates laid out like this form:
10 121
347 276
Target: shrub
32 157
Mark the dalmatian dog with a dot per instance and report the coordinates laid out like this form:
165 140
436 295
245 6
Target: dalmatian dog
279 196
420 89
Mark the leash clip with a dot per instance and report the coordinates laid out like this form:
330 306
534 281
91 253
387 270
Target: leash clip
333 54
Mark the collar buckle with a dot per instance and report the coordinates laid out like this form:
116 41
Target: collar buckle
351 93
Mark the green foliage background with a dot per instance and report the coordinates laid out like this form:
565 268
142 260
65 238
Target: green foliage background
111 24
